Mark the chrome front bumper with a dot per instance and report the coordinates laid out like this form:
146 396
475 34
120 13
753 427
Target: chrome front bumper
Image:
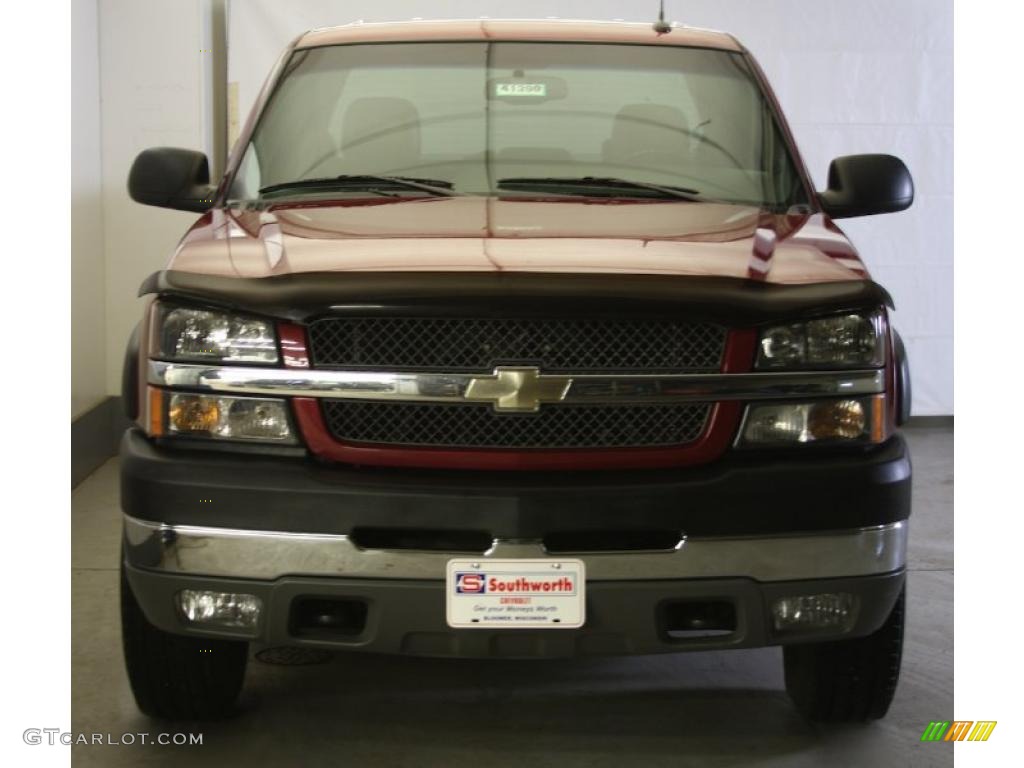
265 555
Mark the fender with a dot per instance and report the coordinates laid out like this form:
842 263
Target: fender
130 377
903 388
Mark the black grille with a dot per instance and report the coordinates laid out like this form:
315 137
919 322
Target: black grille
478 425
479 344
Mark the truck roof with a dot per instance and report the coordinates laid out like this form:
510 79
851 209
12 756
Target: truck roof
561 30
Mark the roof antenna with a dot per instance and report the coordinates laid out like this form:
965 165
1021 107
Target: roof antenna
661 26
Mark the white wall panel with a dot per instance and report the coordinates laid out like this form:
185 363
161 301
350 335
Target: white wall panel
88 325
869 76
151 69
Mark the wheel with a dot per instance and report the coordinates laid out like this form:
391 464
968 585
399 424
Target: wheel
175 677
847 680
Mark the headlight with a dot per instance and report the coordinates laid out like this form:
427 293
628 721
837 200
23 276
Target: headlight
849 420
198 334
844 341
222 418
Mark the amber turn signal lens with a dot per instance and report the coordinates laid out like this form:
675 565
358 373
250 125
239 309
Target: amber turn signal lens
193 414
844 419
879 423
156 412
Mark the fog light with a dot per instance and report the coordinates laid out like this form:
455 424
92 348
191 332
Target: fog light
832 610
220 609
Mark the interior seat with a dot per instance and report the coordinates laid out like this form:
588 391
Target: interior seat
381 135
646 135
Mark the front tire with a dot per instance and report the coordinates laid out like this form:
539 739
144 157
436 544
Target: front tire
847 680
174 677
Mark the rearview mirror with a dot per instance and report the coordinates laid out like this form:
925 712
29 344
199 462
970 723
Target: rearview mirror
171 178
863 185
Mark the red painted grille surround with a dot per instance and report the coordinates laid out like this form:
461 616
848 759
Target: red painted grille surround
718 434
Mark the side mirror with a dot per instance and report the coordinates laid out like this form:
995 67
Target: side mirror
171 178
863 185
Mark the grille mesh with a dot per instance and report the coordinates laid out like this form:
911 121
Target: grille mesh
479 344
478 425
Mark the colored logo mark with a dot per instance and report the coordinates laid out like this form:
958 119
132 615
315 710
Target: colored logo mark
470 583
958 730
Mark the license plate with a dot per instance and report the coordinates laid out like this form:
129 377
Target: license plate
515 594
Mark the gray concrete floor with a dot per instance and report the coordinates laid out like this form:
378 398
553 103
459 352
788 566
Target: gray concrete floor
711 708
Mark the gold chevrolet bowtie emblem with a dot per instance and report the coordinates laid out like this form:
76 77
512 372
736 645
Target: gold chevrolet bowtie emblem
518 389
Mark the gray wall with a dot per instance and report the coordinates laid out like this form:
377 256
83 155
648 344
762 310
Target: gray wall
88 316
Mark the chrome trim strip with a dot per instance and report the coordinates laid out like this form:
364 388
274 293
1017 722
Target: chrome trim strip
453 387
246 554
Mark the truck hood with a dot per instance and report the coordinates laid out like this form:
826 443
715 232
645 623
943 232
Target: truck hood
480 234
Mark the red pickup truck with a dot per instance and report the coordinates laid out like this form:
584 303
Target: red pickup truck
515 339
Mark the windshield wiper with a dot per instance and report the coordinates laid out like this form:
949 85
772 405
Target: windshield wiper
366 182
602 182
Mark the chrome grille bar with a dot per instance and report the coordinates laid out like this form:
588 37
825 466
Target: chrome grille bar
454 387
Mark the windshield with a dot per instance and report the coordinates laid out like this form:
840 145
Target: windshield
514 119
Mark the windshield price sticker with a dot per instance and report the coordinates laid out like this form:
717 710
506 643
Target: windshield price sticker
536 90
515 594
